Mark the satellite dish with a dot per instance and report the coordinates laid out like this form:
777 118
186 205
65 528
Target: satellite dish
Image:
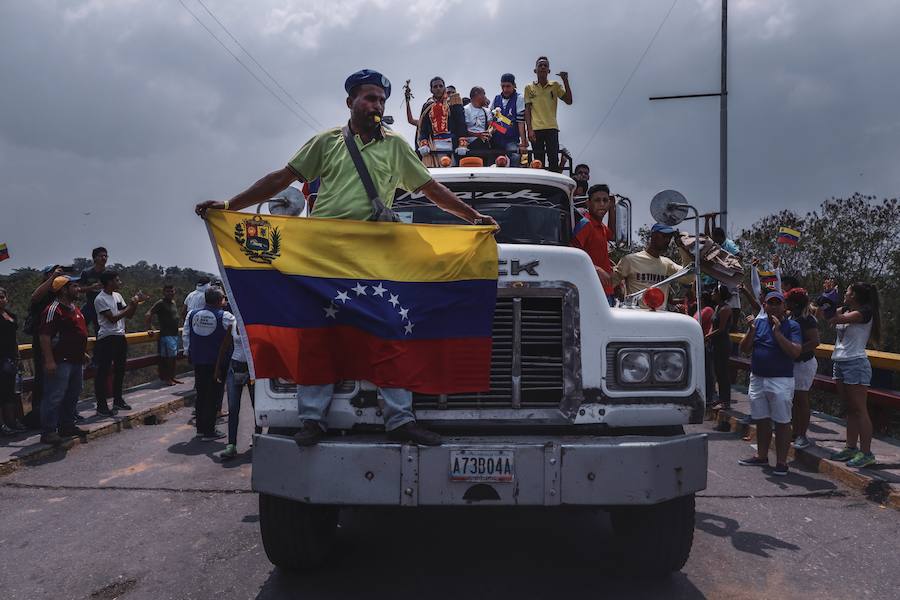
668 207
288 202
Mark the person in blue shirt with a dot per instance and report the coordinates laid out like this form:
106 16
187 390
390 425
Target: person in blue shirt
774 344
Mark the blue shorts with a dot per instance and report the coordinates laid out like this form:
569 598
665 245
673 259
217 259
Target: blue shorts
168 346
856 371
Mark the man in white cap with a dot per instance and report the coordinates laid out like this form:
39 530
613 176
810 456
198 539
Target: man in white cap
343 196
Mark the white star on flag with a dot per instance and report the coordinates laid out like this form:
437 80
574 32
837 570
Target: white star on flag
395 300
403 313
379 291
342 296
331 312
409 327
360 289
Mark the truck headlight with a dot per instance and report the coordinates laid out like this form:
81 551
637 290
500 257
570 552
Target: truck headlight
634 366
668 366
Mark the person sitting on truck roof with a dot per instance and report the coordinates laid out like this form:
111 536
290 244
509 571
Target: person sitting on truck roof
441 124
478 119
342 196
648 267
593 236
510 136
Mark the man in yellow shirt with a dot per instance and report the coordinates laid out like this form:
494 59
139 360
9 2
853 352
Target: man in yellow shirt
648 267
541 99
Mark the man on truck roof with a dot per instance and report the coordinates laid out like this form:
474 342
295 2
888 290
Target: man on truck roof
392 165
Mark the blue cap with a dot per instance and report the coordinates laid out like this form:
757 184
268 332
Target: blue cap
662 228
368 76
46 270
776 295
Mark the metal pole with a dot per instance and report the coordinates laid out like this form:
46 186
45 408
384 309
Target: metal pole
697 259
723 126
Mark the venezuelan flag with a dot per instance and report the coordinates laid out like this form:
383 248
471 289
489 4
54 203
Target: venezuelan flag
4 252
788 236
325 300
767 277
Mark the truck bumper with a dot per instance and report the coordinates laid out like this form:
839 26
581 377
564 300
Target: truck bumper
584 470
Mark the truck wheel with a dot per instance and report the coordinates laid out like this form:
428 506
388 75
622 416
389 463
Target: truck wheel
655 540
296 536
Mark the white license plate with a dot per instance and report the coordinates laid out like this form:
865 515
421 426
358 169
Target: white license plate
482 465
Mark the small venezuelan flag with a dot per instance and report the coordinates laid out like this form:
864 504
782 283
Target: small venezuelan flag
788 236
4 252
325 300
767 277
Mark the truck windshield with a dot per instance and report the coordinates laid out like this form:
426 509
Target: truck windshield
527 213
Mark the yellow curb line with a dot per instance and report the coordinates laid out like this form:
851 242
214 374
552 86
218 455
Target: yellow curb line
850 477
125 422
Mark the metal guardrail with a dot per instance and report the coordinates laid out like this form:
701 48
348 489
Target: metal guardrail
888 361
132 339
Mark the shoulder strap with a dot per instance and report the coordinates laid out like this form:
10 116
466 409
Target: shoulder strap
361 168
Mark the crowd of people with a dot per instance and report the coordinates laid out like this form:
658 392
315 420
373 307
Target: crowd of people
68 307
449 125
780 333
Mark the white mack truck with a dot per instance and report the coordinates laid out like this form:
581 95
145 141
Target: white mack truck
587 403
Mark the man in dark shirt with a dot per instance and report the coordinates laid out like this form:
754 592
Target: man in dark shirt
64 335
89 282
775 345
166 312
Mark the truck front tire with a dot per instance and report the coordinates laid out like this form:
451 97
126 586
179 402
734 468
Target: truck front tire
655 540
296 536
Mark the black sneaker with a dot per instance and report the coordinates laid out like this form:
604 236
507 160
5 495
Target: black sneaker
411 432
211 437
72 431
51 438
309 434
780 469
121 405
4 430
106 411
754 461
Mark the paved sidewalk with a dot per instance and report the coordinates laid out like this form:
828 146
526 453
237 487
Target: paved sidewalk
149 403
880 482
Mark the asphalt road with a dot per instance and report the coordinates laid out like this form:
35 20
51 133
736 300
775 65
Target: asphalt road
150 513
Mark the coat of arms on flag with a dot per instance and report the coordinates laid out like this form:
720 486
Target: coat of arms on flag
788 236
399 305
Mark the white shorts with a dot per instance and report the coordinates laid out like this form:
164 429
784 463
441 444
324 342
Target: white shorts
771 398
804 372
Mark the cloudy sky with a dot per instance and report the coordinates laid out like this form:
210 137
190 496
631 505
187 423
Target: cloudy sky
116 116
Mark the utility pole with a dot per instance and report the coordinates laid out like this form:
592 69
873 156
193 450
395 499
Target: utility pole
723 120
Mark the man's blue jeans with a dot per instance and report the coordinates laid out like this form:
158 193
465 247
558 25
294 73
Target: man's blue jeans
313 402
61 391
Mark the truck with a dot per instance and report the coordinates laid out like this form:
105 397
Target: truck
586 407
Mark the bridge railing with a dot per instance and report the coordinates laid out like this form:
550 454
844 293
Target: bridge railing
883 398
132 339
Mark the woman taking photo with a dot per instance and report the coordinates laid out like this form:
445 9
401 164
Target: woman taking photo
720 342
857 323
805 365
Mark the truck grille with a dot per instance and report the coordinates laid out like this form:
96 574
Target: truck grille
526 358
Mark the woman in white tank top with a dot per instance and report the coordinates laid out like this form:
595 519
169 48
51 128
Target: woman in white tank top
857 323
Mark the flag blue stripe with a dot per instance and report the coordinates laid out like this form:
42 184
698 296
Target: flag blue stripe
432 310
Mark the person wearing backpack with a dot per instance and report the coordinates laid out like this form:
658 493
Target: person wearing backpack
204 330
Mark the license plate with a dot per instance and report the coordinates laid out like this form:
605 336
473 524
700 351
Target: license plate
482 465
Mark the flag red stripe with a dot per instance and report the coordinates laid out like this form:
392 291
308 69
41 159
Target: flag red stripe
316 356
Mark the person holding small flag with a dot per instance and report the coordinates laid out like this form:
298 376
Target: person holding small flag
509 120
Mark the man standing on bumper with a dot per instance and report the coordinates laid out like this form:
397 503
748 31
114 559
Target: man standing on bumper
392 164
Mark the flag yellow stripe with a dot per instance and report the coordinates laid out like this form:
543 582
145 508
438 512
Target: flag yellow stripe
789 231
364 249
